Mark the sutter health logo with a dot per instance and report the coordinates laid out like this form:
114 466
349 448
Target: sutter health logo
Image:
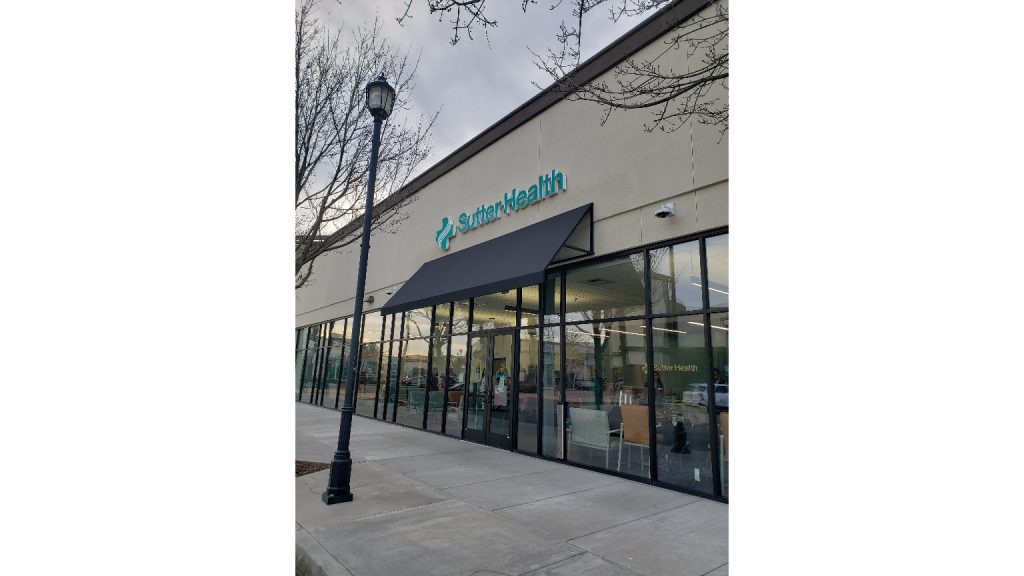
445 234
547 185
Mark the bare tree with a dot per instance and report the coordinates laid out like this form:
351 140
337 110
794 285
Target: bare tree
333 132
673 96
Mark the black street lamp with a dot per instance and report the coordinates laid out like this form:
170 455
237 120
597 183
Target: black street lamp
380 98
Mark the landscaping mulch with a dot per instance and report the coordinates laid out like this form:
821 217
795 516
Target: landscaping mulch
303 467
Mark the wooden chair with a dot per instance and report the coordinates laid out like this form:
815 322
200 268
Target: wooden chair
454 398
723 429
635 431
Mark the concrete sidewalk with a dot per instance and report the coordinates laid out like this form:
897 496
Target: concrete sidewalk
430 505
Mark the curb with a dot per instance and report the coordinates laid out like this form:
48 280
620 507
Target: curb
311 559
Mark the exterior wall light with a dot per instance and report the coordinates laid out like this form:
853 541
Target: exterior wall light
667 209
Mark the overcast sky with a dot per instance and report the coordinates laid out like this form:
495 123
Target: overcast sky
476 82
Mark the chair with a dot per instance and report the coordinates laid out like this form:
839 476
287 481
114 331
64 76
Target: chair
635 431
590 429
723 429
415 400
454 398
436 399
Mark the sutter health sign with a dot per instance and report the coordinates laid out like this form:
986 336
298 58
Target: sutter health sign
512 202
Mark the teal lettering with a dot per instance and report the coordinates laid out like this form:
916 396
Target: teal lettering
521 199
557 176
532 196
490 214
510 202
463 222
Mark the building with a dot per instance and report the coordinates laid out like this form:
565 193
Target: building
557 287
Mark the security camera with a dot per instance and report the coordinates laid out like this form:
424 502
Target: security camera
667 209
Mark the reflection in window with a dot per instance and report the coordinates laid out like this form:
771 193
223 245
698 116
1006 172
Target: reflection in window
496 310
332 375
313 336
605 290
460 319
372 327
338 332
676 279
388 412
680 384
417 323
720 377
307 377
529 377
366 382
606 393
717 248
530 315
553 298
456 383
412 383
299 355
442 316
435 393
551 435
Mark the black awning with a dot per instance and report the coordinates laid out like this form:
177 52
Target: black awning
510 261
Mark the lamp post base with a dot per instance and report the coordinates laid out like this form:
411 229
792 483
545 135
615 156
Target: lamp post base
338 484
329 498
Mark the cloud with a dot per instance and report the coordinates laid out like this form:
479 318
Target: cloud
476 82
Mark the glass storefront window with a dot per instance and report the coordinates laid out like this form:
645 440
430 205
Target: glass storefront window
598 411
435 381
680 383
338 332
456 383
720 378
412 383
366 378
609 289
330 378
529 378
675 278
551 435
442 316
299 355
417 323
606 393
530 314
717 248
553 298
373 325
392 380
307 376
314 336
496 310
460 320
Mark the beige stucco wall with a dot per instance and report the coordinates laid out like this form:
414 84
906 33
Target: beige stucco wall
626 172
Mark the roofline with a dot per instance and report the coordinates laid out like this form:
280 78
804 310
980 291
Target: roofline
629 43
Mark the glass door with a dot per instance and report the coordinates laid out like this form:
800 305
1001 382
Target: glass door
489 389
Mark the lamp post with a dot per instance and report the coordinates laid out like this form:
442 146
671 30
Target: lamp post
380 98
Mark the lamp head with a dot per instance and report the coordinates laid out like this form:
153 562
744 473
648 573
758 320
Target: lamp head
380 97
